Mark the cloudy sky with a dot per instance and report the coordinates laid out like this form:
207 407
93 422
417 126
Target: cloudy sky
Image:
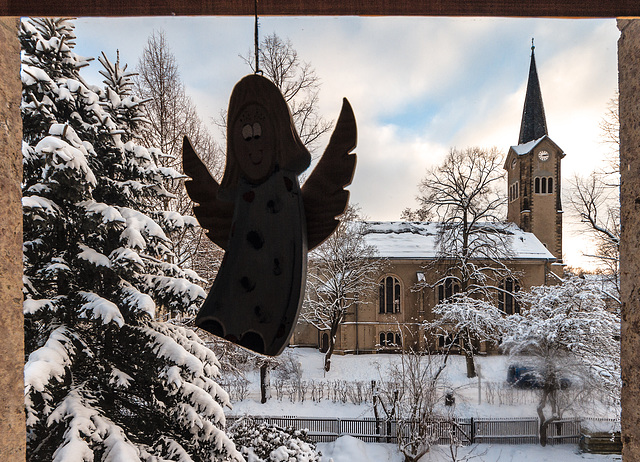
418 86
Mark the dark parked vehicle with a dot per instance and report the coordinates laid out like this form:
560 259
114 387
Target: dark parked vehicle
528 377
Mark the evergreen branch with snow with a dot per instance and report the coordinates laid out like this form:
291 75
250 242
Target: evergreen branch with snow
103 379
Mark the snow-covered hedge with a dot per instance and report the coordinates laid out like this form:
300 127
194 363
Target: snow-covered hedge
262 442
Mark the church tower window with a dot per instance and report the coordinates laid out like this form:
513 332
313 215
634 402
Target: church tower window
543 185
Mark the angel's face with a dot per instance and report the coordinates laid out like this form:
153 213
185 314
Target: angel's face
254 143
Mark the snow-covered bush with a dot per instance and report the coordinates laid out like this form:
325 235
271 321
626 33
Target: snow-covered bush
262 442
567 331
103 380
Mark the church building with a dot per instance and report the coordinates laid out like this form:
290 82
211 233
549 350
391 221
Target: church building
391 318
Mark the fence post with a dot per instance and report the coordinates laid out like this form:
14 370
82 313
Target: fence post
473 431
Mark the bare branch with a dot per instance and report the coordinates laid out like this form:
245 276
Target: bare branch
298 83
340 269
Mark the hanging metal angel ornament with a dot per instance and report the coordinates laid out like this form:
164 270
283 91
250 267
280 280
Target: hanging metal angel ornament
262 218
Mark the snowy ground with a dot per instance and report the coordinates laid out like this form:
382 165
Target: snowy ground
349 449
364 368
496 400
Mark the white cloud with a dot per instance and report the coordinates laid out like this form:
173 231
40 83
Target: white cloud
417 85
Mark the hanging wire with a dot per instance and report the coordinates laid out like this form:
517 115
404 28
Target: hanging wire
257 43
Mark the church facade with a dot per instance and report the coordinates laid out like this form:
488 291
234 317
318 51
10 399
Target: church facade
391 318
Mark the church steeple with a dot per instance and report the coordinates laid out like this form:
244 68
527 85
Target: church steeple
534 174
534 124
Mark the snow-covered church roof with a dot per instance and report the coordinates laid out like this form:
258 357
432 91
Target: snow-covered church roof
525 148
418 240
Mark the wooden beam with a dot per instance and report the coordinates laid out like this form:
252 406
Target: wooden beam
511 8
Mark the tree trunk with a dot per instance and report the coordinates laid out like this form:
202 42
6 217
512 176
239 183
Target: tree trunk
375 408
265 392
543 432
471 366
332 344
327 357
544 424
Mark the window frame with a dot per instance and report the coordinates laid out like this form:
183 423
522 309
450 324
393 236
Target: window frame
507 301
449 282
390 295
543 185
389 339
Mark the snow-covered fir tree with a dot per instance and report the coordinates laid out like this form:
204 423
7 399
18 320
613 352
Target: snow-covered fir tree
103 380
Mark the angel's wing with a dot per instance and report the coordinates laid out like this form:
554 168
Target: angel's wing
213 215
323 193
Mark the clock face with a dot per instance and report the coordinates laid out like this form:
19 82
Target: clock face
543 155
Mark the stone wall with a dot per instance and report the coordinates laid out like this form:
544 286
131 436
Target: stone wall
12 426
12 423
629 84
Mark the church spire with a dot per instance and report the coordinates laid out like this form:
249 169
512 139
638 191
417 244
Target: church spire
534 124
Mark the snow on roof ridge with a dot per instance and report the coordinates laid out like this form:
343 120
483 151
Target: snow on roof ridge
418 240
524 148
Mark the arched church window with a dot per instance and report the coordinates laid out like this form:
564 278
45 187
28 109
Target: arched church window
324 347
543 185
448 341
389 295
390 339
507 301
447 289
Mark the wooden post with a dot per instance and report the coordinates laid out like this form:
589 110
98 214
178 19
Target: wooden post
12 419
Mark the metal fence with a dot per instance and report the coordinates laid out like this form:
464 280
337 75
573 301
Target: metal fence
464 430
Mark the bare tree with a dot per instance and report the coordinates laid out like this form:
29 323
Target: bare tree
419 214
598 206
411 393
610 129
170 115
340 269
298 83
596 200
465 194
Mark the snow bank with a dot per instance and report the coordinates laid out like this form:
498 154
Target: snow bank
350 449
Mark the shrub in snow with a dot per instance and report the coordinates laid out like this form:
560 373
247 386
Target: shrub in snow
262 442
103 380
567 331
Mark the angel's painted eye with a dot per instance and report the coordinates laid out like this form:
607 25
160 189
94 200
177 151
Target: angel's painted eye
257 130
247 132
